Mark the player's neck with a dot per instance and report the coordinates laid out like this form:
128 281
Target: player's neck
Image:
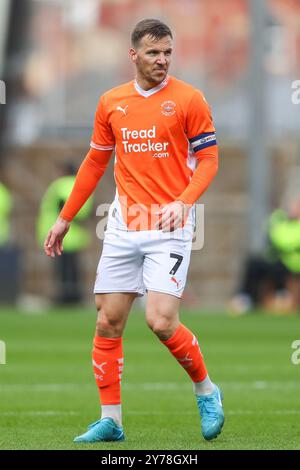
145 85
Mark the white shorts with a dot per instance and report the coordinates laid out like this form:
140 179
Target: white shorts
138 261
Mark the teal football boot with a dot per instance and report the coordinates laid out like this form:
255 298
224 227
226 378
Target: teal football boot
102 430
211 412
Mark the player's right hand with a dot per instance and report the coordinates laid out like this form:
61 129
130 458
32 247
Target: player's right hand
54 241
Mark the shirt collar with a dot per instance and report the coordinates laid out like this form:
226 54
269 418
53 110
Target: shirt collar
147 93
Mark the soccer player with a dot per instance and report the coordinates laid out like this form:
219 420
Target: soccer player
165 157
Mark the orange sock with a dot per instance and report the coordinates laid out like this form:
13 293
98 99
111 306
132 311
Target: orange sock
108 366
185 348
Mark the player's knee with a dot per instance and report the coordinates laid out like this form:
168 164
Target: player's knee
162 327
109 326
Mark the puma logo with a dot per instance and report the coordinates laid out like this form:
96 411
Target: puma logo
123 110
176 282
186 361
99 366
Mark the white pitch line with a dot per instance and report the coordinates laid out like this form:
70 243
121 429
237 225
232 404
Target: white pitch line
227 413
262 413
146 386
62 387
150 413
39 413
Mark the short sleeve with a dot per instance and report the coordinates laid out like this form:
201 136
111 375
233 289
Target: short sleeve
200 128
102 138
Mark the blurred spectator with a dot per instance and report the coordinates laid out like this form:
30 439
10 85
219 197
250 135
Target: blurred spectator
272 280
9 254
67 269
5 209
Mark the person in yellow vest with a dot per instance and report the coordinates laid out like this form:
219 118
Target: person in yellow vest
284 235
69 288
272 280
5 210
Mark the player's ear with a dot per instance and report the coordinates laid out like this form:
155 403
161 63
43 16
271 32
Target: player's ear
133 54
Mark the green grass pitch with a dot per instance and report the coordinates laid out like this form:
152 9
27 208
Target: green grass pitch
48 394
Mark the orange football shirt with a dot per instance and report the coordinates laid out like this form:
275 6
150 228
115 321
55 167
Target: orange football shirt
158 135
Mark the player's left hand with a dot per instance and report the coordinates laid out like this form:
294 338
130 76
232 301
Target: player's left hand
172 216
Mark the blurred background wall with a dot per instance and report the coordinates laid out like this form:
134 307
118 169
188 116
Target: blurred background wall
57 57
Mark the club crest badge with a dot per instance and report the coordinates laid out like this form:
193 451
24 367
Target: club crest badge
168 108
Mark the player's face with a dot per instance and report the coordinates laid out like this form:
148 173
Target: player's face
152 59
